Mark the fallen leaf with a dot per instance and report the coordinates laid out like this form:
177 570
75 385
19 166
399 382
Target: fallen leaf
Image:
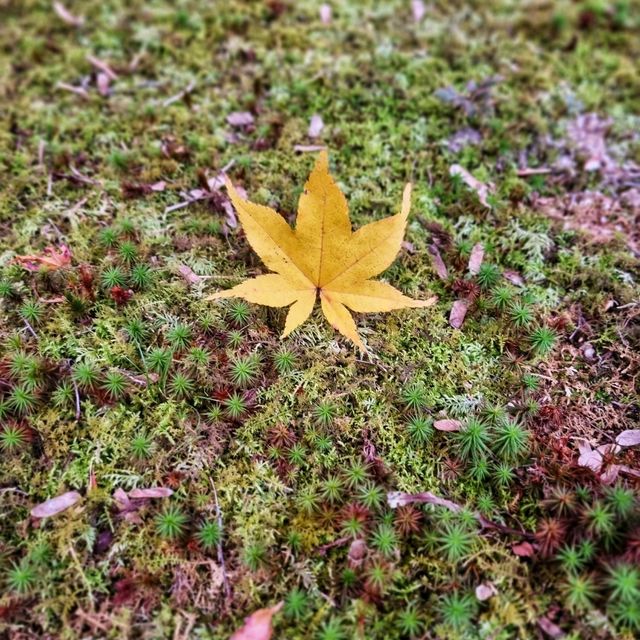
589 458
485 591
476 258
258 626
447 425
240 119
629 438
610 475
593 458
322 257
56 505
325 13
315 126
151 492
523 549
52 259
438 262
634 473
66 16
458 313
481 189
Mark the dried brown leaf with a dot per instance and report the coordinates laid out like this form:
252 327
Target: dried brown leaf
258 626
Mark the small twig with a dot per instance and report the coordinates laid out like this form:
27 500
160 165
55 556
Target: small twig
181 94
14 489
74 555
225 580
330 545
77 395
101 65
79 91
533 171
30 328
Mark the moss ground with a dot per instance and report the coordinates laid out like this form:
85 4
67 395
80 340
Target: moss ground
117 374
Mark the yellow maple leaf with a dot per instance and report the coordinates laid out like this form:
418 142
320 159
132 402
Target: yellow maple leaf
322 256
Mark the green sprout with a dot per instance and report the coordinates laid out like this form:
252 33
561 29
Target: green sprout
473 439
385 540
112 277
171 523
420 429
141 276
414 396
235 406
325 412
179 336
21 578
543 340
210 534
244 370
284 361
296 604
12 438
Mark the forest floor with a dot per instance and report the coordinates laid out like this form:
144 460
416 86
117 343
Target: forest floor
474 475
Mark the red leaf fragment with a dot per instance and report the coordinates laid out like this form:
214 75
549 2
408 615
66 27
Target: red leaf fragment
258 626
513 277
458 313
187 273
151 492
56 505
551 629
523 549
482 190
485 591
103 81
315 126
438 262
51 259
325 13
240 119
418 10
447 425
476 258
